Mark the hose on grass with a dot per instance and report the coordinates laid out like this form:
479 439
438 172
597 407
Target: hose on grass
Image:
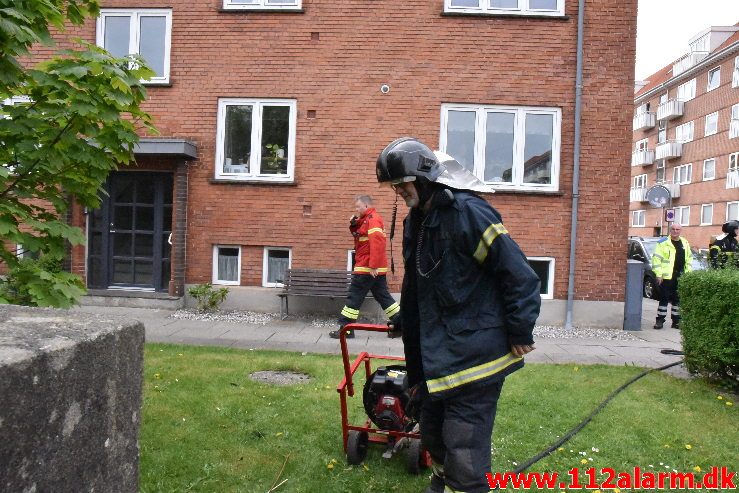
574 431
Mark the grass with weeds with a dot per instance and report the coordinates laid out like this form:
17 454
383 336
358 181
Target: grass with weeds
208 428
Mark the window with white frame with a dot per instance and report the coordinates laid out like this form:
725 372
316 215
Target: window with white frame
711 124
662 133
643 108
641 145
700 44
706 214
734 123
508 147
262 4
714 79
686 91
683 175
734 162
735 74
660 175
227 264
256 139
506 7
350 259
684 133
544 268
732 211
682 215
709 169
276 262
639 181
638 218
145 32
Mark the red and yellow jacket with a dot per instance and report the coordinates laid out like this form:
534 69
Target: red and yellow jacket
369 243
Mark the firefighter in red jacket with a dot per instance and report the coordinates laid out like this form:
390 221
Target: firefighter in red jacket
370 266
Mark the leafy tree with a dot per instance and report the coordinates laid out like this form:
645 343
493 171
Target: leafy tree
65 124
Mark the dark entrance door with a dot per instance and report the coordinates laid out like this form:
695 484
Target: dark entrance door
128 243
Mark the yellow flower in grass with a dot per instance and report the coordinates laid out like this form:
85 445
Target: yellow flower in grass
729 403
688 447
584 461
697 469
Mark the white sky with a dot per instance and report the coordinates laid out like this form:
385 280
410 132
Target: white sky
664 28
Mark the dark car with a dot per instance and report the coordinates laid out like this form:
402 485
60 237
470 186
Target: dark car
641 249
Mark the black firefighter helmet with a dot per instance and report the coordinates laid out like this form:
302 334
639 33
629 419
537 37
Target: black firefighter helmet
406 157
730 227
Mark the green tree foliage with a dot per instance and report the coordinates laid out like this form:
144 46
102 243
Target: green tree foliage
65 124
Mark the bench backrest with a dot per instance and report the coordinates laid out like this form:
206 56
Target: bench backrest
317 282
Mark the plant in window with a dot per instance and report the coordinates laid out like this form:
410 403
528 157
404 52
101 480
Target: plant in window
275 158
208 299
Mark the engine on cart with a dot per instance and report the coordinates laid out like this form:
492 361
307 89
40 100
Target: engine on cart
386 396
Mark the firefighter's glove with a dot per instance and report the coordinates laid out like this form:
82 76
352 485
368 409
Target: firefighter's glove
353 221
416 396
396 329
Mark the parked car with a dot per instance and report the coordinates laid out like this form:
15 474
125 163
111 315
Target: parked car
641 249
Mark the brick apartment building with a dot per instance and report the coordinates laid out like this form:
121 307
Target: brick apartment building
686 137
272 114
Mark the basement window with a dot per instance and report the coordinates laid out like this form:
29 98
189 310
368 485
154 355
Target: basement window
506 7
287 5
544 268
227 265
276 262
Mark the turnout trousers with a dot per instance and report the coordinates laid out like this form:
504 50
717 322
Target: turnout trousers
668 295
360 286
457 432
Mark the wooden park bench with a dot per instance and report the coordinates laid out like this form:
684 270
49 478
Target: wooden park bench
313 282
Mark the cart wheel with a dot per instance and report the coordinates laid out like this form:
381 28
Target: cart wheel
356 447
414 456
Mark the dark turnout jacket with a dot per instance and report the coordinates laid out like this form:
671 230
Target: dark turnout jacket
468 294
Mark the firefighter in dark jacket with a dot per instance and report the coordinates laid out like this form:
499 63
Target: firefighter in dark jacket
725 250
468 306
370 266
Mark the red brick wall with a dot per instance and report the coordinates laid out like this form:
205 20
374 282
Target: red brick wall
717 146
427 59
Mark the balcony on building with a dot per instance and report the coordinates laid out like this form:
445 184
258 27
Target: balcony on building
669 150
670 109
674 189
688 61
644 121
732 179
642 157
638 195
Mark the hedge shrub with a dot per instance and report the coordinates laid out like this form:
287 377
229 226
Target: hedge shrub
709 304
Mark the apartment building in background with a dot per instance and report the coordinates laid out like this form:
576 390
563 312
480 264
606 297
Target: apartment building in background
686 138
272 114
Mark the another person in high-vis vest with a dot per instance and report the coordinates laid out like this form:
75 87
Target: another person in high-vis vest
725 250
370 266
468 307
672 257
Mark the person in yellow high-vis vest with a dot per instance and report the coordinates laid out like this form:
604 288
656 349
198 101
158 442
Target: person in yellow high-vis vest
672 257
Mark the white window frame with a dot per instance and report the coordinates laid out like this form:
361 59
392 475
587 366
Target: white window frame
735 74
718 81
686 91
728 208
642 145
709 178
639 180
262 5
733 162
686 128
707 131
639 218
265 264
734 122
349 265
660 165
518 141
485 7
549 295
677 171
662 132
703 207
680 213
256 139
134 35
217 281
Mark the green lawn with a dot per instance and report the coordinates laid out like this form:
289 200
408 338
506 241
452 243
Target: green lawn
207 427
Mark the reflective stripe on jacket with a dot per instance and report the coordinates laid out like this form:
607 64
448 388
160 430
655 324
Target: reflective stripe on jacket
663 258
369 243
468 295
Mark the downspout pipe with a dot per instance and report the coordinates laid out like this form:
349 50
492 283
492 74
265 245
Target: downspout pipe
576 165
